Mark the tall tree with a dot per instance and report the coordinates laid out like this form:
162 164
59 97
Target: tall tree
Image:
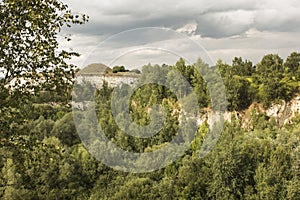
292 62
270 65
242 68
29 53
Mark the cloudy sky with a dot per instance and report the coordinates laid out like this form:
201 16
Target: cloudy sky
222 28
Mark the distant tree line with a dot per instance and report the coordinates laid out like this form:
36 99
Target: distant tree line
117 69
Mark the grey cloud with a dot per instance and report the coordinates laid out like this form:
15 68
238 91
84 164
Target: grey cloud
214 18
218 25
218 22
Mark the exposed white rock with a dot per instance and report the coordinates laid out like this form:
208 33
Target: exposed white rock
285 111
112 81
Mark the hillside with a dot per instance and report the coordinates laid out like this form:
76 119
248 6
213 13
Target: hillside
50 150
98 69
95 69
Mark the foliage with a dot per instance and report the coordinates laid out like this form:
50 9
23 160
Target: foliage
41 156
256 161
117 69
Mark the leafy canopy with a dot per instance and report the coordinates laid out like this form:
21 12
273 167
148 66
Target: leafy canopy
29 55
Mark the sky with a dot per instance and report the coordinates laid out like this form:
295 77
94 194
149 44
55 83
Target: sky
118 32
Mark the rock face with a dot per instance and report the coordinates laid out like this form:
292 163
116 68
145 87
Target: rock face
97 73
112 81
282 113
285 111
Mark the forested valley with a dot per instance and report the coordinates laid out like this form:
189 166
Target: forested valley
42 156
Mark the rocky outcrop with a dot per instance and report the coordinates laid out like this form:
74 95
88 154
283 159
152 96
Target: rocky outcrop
112 80
97 73
285 111
282 113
